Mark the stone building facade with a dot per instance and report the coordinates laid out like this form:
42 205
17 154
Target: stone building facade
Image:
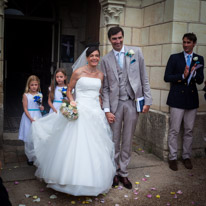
157 27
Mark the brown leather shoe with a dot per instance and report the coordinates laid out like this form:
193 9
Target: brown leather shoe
125 181
115 181
173 165
187 163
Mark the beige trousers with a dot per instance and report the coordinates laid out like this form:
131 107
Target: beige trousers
176 118
123 131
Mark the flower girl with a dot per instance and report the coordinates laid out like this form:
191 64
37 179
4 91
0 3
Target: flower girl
32 104
57 90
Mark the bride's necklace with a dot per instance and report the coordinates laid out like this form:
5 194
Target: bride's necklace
90 70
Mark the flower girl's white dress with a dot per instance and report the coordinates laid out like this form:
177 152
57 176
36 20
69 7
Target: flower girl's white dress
75 157
58 97
35 113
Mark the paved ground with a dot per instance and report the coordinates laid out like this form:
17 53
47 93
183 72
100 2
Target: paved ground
150 177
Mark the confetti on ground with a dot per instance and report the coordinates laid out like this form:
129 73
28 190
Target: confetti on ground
168 204
135 198
144 179
175 196
102 200
35 197
53 197
116 205
120 188
136 193
147 176
149 196
142 150
73 202
89 200
22 205
27 195
49 202
136 188
157 196
96 199
42 190
125 195
179 192
172 193
153 189
139 149
16 167
36 200
16 182
137 183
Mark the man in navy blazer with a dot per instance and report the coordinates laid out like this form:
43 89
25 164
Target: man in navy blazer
183 73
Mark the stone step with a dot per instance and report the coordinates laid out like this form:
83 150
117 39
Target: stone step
18 174
12 139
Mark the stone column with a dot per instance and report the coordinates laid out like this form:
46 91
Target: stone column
2 5
111 11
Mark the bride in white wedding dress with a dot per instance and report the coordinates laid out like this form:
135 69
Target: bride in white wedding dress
76 157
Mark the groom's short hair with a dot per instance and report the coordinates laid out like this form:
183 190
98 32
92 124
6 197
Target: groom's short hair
115 30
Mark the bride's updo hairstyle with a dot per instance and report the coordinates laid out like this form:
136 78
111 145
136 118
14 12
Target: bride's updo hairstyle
91 50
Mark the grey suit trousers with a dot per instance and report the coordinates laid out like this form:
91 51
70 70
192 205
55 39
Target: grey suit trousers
123 130
176 117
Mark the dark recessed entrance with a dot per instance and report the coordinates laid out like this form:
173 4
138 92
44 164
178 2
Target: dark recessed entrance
27 50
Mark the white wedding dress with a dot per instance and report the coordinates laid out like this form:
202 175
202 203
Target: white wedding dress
75 157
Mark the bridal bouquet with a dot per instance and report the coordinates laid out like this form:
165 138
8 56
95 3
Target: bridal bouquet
69 110
38 98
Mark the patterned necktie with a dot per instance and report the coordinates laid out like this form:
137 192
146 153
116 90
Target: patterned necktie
188 60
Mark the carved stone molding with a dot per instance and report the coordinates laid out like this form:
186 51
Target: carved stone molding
112 10
2 6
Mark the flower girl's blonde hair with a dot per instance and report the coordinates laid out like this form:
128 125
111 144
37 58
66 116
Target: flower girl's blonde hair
29 80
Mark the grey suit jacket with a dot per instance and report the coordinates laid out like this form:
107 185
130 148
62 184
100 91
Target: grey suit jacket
136 74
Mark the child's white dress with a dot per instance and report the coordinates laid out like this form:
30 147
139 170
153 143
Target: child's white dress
34 111
57 98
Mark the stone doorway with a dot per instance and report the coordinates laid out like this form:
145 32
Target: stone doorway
28 50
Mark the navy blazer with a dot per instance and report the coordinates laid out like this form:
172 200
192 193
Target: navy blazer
182 95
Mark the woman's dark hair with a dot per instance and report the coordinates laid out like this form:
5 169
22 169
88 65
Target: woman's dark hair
115 30
91 50
191 36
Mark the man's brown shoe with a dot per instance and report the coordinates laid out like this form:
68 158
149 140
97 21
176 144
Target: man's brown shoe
126 183
187 163
173 165
115 181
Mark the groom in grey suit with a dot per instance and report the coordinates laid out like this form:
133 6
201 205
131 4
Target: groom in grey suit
125 80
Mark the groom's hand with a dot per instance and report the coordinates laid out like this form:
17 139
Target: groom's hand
110 117
145 108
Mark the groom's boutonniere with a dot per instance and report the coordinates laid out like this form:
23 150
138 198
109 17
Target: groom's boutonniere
130 53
